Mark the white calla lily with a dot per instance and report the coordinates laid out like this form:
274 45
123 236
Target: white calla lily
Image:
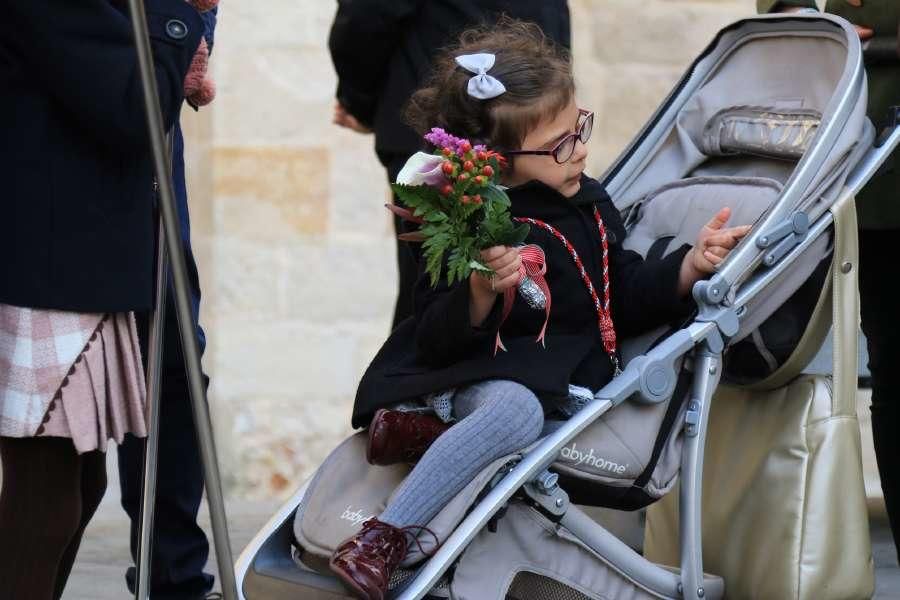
422 169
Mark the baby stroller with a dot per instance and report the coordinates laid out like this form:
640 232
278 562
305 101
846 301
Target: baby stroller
786 148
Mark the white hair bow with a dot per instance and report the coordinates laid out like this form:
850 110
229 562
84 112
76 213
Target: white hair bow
482 85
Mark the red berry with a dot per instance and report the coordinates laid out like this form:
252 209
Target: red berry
465 147
447 167
462 177
481 155
447 190
465 199
477 199
479 180
447 152
487 171
468 166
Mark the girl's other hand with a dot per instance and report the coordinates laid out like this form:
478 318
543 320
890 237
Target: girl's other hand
714 242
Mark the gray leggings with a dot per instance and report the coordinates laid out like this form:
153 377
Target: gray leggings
494 418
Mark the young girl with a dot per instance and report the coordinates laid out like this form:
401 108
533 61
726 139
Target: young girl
521 103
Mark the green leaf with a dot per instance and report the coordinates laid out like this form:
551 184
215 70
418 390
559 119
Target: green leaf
411 196
479 267
519 234
454 271
434 260
496 196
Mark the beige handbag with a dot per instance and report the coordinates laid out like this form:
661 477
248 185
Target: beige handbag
784 506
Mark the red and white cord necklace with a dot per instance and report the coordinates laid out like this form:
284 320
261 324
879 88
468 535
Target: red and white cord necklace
604 314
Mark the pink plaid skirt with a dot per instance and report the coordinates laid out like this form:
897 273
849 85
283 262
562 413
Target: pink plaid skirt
73 375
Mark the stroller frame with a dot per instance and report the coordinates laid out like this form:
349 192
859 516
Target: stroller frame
265 569
170 255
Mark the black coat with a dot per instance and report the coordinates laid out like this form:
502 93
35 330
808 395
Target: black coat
439 349
383 51
76 178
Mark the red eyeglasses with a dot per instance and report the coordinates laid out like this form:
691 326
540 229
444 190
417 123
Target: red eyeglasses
564 150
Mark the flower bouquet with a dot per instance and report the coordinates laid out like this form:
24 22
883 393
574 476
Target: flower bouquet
455 197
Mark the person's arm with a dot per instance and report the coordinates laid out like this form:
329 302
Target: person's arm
648 293
644 293
445 332
363 38
83 54
767 6
209 27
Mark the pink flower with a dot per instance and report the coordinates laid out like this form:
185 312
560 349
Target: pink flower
422 168
441 139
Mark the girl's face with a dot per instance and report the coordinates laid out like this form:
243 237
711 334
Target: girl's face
564 178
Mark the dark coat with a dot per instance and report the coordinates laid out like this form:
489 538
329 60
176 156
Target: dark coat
438 349
77 179
383 51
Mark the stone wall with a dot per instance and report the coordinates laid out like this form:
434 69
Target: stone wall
295 248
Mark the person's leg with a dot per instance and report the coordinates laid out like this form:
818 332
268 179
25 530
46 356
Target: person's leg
495 418
40 514
180 547
407 259
93 486
878 273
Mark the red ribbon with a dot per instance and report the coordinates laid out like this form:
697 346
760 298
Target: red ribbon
534 266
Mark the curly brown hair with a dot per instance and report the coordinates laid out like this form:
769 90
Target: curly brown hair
536 72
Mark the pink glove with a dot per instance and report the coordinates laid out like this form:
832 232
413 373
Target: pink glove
199 88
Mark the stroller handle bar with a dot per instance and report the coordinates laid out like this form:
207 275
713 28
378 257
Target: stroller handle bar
714 292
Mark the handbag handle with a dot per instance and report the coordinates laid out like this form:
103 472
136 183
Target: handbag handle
845 309
836 309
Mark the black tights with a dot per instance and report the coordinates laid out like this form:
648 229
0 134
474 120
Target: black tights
49 494
879 270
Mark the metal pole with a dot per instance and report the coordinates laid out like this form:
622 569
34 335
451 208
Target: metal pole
183 303
151 444
706 378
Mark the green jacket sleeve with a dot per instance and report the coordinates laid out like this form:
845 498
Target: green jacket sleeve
765 6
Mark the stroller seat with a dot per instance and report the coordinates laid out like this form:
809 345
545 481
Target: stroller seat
743 128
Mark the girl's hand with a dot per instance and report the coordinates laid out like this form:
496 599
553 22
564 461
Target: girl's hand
504 262
713 245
